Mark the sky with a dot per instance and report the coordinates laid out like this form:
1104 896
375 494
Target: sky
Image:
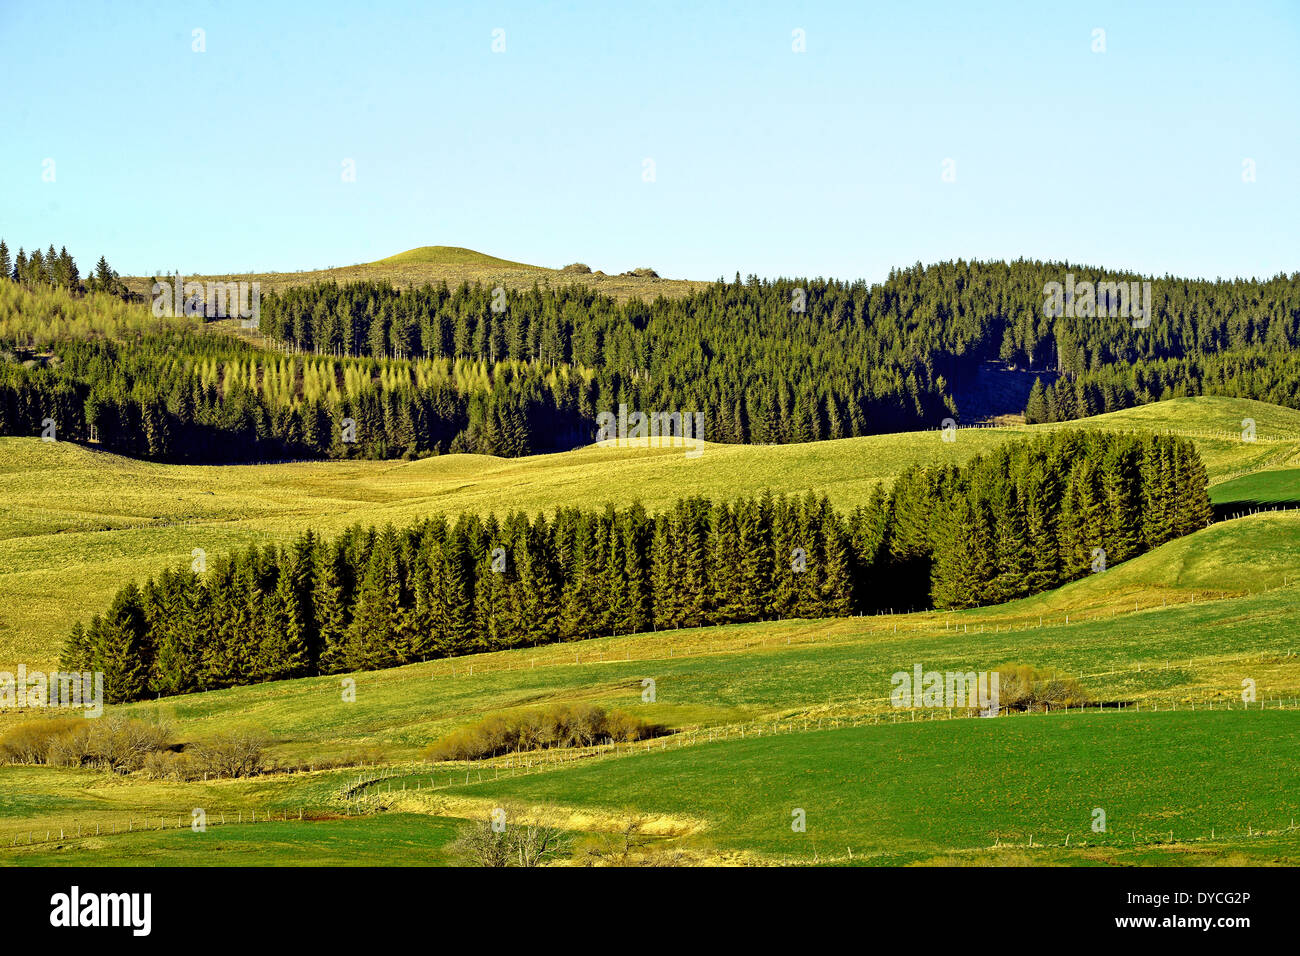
699 139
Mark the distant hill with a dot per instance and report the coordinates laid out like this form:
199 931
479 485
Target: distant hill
453 265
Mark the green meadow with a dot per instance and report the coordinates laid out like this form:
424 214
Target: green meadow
75 523
945 789
768 718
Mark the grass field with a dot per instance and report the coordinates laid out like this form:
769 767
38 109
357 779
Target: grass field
946 789
1176 788
769 717
889 790
1181 648
1273 488
453 265
76 523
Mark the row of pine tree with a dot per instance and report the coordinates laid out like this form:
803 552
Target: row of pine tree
59 270
1025 518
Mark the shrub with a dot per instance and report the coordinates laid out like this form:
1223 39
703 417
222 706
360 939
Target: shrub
118 743
1021 687
171 765
517 844
30 742
483 845
114 742
232 753
578 725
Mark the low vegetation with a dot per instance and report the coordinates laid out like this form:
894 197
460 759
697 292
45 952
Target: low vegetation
113 742
500 843
1025 688
565 725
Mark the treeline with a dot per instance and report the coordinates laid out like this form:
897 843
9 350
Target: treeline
758 370
797 360
59 270
471 369
1022 519
1257 372
162 389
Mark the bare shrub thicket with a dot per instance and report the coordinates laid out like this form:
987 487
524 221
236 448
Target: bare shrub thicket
578 725
1021 687
232 753
631 846
113 742
522 844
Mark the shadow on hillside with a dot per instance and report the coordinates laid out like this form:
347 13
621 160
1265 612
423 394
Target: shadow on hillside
1237 509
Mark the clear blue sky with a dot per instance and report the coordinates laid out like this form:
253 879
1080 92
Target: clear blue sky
826 162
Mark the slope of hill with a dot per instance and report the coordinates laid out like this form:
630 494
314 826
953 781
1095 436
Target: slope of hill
76 523
788 702
453 265
839 666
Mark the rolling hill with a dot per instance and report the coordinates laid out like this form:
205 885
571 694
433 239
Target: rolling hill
76 523
774 717
453 265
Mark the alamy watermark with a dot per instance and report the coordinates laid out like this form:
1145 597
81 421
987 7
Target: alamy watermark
214 300
56 689
922 688
622 429
1088 300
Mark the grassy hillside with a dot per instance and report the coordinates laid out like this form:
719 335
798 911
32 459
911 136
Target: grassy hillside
1272 488
76 523
1006 781
453 265
778 716
1180 646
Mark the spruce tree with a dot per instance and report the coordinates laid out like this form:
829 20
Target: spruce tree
119 648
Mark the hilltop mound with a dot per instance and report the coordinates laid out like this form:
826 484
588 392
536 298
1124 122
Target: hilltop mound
453 265
453 256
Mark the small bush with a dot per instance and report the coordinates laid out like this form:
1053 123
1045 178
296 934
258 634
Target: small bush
171 765
232 753
1021 687
31 741
112 742
579 725
517 844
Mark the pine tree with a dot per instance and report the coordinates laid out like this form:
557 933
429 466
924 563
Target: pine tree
374 638
962 554
77 652
119 648
331 614
282 650
837 583
1036 406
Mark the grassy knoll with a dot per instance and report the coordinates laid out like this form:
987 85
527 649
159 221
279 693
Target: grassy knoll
453 265
76 523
